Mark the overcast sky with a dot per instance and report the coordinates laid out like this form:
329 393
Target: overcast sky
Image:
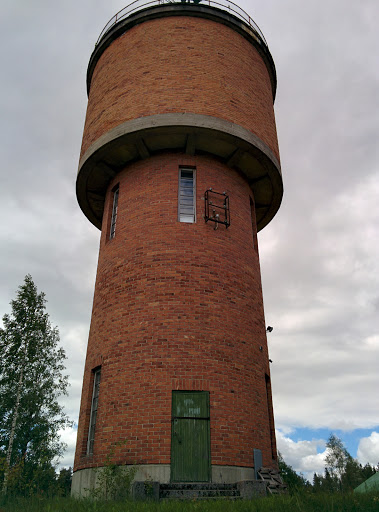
319 256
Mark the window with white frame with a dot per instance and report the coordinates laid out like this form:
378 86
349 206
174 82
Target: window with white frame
186 206
93 415
114 213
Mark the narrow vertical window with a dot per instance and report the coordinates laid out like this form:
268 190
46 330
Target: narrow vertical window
253 224
270 416
94 403
114 213
187 195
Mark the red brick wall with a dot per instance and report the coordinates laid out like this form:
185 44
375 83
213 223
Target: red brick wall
181 64
176 306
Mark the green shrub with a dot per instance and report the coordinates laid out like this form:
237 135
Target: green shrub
301 502
112 482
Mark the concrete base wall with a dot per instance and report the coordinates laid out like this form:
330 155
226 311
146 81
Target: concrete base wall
86 479
231 474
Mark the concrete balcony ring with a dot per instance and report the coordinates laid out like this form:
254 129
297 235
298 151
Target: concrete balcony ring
188 133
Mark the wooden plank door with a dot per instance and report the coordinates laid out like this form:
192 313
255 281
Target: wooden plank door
190 437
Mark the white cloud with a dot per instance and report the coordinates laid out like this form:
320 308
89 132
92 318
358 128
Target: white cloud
368 449
303 456
68 436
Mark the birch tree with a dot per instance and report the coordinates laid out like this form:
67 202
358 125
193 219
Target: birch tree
31 381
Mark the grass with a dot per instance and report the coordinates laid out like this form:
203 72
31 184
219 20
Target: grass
297 503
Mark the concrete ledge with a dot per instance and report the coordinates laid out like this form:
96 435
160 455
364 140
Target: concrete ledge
143 137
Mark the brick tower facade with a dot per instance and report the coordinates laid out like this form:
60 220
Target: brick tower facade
179 168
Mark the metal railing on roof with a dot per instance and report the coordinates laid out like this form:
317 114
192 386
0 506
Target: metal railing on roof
220 4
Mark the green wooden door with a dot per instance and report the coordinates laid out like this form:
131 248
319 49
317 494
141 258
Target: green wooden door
190 437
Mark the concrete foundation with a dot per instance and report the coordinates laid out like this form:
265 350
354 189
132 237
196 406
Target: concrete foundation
86 479
231 474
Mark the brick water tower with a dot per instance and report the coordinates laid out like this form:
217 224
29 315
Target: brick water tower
179 169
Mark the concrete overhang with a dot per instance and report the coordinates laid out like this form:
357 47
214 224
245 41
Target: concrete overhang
188 133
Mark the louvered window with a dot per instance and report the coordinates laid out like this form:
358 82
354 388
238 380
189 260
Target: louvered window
94 404
187 195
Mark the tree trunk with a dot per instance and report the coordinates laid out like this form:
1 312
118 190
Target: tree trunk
13 429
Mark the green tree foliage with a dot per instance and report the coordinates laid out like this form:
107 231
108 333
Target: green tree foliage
368 471
31 381
337 457
293 480
63 482
342 472
317 482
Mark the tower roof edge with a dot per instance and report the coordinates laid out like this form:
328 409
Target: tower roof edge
235 18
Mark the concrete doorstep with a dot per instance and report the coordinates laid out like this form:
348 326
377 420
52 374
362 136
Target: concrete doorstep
199 491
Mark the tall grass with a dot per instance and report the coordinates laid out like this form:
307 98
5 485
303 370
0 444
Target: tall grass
297 503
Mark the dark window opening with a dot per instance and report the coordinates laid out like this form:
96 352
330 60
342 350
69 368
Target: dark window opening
253 224
114 213
271 417
93 415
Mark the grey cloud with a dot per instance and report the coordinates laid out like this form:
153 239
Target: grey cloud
319 255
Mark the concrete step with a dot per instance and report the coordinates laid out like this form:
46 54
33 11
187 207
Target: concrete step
190 491
197 485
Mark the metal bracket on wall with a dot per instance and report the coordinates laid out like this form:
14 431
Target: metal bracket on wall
217 208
